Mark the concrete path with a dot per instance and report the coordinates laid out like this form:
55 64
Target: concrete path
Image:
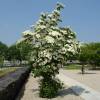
91 78
30 92
82 90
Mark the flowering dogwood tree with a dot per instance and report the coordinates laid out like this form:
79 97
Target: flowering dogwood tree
52 45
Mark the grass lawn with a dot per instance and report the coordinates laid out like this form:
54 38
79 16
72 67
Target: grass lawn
5 71
73 67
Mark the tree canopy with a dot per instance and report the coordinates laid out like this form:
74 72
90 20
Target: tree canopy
90 53
3 49
24 49
13 53
51 46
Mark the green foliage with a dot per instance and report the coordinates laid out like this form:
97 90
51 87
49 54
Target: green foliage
24 49
83 57
90 53
18 52
73 66
13 53
51 45
97 53
3 50
94 58
48 90
1 61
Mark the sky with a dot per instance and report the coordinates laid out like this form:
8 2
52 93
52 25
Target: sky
16 16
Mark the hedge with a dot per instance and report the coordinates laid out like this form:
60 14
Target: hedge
11 84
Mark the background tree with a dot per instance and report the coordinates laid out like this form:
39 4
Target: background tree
52 45
1 61
90 54
97 57
3 51
13 54
94 55
24 49
83 57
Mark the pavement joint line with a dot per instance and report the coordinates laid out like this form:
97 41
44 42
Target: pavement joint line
80 89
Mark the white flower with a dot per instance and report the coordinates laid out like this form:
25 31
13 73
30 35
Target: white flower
66 45
55 33
54 20
27 32
69 41
42 26
48 55
37 35
64 32
56 11
64 50
71 49
71 37
43 62
45 54
49 39
50 15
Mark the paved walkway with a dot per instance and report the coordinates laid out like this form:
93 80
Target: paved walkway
84 91
30 92
91 78
73 80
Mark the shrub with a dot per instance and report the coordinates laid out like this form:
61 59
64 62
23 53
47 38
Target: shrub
49 87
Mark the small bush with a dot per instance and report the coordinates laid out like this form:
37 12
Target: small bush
49 88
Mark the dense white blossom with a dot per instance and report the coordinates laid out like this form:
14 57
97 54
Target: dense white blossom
62 40
52 45
71 49
27 32
37 35
55 33
45 54
49 39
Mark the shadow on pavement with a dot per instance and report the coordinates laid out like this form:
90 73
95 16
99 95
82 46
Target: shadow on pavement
79 90
87 73
21 93
74 90
65 92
